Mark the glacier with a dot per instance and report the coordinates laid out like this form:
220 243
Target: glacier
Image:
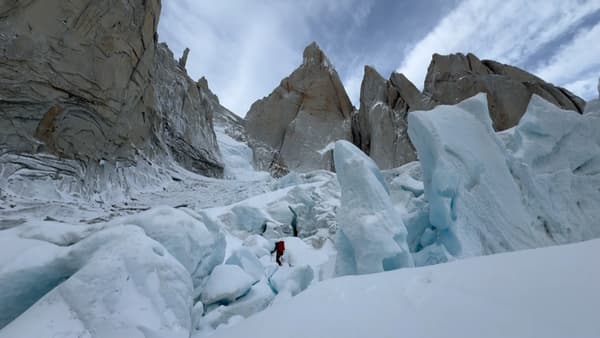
247 260
226 284
371 236
255 300
196 246
149 260
116 282
530 186
291 280
554 156
475 205
530 293
134 204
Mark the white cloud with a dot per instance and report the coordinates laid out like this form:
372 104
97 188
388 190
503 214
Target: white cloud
244 48
576 64
509 31
588 88
352 85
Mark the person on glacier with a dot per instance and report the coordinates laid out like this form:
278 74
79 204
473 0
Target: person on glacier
279 249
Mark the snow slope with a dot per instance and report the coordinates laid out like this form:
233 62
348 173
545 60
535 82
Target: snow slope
550 292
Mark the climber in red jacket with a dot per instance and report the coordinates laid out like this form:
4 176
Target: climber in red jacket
279 248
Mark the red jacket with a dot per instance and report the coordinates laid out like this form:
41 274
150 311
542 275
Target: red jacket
279 247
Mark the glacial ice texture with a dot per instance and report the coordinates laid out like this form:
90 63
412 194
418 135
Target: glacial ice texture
371 236
527 187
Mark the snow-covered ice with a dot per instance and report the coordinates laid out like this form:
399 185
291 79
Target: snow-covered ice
550 293
259 245
408 195
198 248
315 200
531 186
115 283
237 157
225 284
291 279
257 299
554 156
322 259
247 260
371 236
167 253
475 206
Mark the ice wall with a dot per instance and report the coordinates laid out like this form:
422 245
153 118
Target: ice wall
371 236
530 186
475 205
554 156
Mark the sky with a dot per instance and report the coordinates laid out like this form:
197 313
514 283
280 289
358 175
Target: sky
245 47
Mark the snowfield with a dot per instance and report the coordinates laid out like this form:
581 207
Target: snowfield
550 292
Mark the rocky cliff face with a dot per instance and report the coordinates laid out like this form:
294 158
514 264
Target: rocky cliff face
306 112
87 82
185 109
76 76
453 78
379 127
